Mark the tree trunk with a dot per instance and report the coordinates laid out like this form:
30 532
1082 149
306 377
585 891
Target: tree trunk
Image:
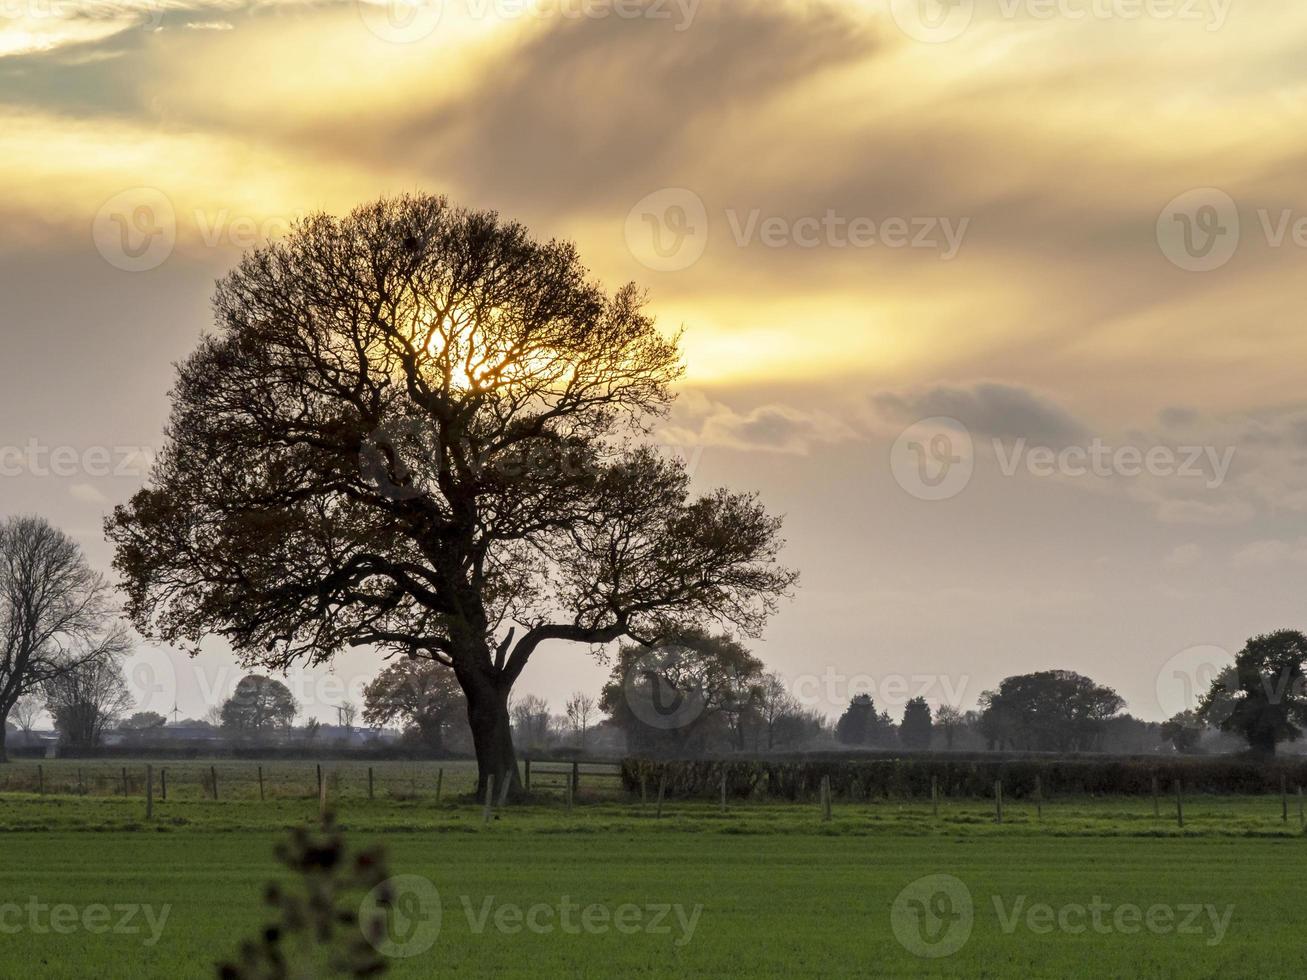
3 756
492 735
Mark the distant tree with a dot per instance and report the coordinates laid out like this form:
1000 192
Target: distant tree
56 614
1184 731
26 711
258 706
312 728
143 721
87 700
1262 697
855 724
798 727
419 429
1051 711
580 711
776 706
916 730
348 712
949 720
422 696
861 724
531 721
679 695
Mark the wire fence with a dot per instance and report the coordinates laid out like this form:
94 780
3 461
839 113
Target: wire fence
191 780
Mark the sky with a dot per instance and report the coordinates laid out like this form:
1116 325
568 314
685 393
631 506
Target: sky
995 301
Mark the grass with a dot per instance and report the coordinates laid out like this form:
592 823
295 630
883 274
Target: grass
777 890
769 905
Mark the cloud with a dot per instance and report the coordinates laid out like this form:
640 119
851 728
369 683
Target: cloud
87 494
987 408
1177 417
1183 556
1270 553
775 428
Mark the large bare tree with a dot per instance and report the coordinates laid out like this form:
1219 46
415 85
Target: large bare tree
56 614
419 429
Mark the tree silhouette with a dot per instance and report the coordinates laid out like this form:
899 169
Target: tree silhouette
419 693
916 729
259 705
1262 696
55 614
419 429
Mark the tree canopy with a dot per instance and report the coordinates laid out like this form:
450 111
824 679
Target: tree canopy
419 429
1047 711
259 705
1262 696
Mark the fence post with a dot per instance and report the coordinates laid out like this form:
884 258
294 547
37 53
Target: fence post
149 792
644 794
490 796
440 779
1179 804
825 799
576 778
503 791
570 794
1284 798
322 795
998 800
369 782
662 786
260 784
40 780
526 774
213 774
124 782
1157 803
723 789
319 768
1039 798
163 783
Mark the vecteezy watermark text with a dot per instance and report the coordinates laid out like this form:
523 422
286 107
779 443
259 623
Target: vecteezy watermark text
668 230
934 459
934 916
42 918
940 21
37 459
410 912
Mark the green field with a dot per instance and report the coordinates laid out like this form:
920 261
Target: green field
1100 888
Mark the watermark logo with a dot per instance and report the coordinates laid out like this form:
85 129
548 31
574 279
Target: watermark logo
658 696
1199 230
1186 678
152 680
933 459
402 916
933 21
667 231
136 230
401 21
933 916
